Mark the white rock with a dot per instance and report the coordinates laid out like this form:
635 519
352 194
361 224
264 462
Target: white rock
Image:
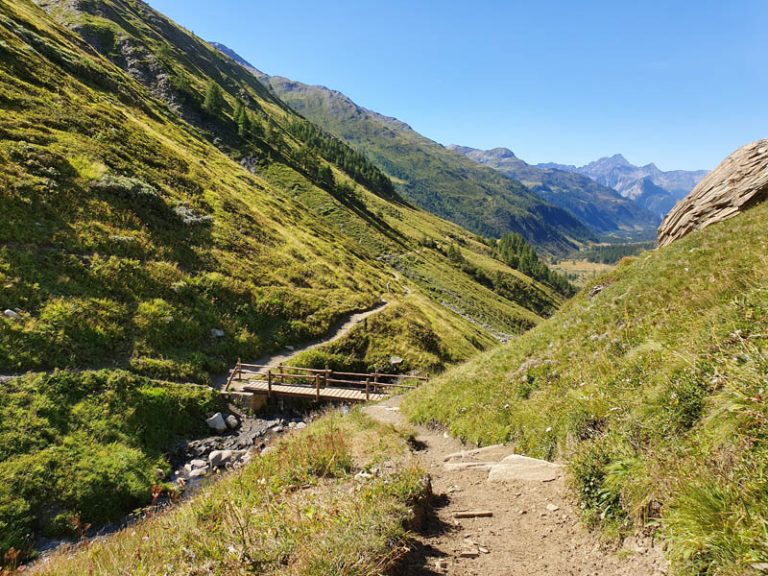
232 421
12 315
198 473
301 425
217 333
516 467
553 507
217 423
198 464
219 458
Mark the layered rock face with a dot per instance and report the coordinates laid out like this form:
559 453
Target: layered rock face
739 182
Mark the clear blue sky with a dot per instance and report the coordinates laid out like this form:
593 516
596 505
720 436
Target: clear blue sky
679 83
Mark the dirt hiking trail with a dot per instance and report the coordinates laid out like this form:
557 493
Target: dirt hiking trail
534 528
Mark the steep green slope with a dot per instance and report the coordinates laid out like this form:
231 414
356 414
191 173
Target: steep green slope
162 213
130 237
598 206
652 386
431 176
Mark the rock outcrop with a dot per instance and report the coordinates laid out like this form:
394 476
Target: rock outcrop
739 182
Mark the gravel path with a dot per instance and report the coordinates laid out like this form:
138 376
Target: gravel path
534 527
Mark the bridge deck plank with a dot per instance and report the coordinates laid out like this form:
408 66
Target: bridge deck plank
301 391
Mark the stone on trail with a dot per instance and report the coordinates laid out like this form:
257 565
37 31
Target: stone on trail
458 466
198 464
553 507
468 453
516 467
232 421
217 423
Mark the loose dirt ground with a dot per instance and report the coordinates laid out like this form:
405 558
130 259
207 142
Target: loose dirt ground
534 530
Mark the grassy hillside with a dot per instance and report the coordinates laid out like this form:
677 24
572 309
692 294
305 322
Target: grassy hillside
298 510
653 389
81 449
134 228
433 177
162 214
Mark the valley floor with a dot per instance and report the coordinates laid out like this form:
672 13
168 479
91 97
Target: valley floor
534 530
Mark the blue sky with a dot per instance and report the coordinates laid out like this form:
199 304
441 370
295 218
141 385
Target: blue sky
679 83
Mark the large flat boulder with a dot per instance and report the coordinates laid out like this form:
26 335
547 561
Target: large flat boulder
523 468
738 183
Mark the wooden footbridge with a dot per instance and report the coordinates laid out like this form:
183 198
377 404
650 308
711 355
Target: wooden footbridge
315 384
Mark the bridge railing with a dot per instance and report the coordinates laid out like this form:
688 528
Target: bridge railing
318 378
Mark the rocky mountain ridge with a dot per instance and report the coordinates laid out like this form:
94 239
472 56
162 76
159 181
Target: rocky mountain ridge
427 174
599 206
648 186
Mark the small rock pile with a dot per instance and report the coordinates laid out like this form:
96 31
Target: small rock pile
236 440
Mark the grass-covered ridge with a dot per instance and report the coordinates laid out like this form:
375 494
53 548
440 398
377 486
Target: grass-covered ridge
653 389
297 510
140 220
433 177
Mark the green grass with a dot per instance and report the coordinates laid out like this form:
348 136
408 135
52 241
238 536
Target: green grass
83 448
653 391
132 232
296 510
127 237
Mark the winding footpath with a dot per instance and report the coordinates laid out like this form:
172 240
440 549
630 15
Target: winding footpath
533 528
342 329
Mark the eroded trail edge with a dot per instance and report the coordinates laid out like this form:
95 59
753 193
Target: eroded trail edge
497 514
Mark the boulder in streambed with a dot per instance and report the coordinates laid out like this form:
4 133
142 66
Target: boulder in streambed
217 423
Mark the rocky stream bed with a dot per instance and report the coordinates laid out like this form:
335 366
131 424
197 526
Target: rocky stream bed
235 439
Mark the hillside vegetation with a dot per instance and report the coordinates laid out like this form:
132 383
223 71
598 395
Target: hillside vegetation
652 385
135 229
163 214
433 177
302 509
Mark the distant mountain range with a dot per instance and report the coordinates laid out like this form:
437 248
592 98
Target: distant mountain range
651 188
491 192
599 206
429 175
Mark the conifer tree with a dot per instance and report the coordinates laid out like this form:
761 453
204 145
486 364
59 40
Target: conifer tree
214 99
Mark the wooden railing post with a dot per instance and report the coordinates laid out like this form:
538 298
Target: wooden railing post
367 389
269 383
317 385
239 370
282 379
328 373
